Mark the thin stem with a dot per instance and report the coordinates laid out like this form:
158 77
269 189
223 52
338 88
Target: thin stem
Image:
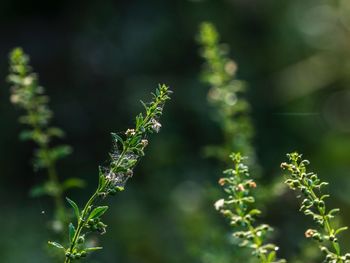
53 178
120 169
81 223
82 219
327 224
58 197
242 213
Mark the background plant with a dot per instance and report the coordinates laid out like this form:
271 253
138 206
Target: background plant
230 109
98 59
123 158
226 96
28 95
314 205
239 209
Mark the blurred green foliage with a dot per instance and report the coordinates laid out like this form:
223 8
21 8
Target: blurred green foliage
94 58
226 95
27 95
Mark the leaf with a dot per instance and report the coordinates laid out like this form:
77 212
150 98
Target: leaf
73 183
55 244
93 249
271 257
26 135
71 232
75 207
336 247
60 152
117 138
37 191
340 230
48 188
139 120
254 212
101 179
97 212
55 132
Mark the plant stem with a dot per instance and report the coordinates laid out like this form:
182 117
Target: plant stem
327 224
53 178
242 213
81 224
83 217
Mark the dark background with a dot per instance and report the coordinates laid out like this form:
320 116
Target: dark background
97 59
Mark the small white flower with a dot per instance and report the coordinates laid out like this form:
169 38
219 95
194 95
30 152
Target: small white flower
130 132
156 125
14 98
144 142
219 204
28 80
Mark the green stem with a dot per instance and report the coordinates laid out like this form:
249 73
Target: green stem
81 224
53 178
327 225
126 148
58 198
241 213
82 220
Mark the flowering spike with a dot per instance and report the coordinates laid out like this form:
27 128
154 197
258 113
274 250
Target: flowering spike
314 205
236 207
126 152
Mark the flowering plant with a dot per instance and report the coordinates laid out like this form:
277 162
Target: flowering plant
27 94
237 208
314 205
127 151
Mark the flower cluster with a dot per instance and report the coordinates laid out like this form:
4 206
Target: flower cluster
225 95
313 204
237 208
127 150
27 94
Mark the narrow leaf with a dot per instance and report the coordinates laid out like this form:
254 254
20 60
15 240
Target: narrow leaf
73 183
71 232
55 244
75 207
340 230
98 212
101 179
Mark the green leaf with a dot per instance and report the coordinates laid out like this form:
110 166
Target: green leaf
71 232
37 191
271 257
75 207
97 212
60 152
336 247
73 183
101 179
117 138
55 132
48 188
254 212
93 249
340 230
26 135
55 244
